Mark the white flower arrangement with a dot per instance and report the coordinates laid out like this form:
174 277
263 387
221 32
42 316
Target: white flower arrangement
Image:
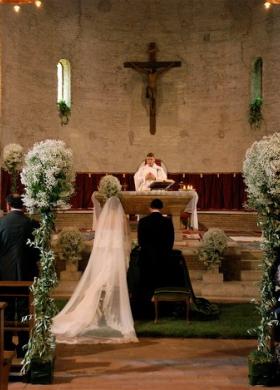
13 158
47 176
109 186
213 245
70 245
261 170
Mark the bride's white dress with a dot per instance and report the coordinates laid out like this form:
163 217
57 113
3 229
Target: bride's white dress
99 309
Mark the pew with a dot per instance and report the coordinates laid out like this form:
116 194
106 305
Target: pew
13 290
6 357
18 289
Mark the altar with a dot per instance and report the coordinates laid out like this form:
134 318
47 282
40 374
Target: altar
138 202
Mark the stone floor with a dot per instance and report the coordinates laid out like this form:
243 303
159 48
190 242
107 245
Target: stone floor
152 364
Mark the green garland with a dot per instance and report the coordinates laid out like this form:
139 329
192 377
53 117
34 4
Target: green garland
255 113
64 112
41 344
270 228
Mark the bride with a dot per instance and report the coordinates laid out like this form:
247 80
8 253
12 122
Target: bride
99 309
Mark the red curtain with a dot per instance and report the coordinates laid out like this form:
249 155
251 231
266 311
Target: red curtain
216 191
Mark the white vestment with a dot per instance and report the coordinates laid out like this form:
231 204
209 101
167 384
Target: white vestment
141 183
99 309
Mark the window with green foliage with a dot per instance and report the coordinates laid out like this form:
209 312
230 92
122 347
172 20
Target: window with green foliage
256 101
64 82
256 82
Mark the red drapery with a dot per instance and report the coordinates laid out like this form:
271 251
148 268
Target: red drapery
216 191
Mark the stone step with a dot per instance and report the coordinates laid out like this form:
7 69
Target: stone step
246 265
196 274
254 254
236 289
251 275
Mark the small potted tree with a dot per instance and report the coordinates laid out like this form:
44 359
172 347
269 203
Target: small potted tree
47 176
261 170
70 246
213 245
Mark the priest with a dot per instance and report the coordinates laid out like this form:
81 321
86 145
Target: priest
148 173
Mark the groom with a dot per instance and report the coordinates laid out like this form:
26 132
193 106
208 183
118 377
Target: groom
156 239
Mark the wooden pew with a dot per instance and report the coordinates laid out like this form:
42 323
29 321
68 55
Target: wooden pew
6 357
17 289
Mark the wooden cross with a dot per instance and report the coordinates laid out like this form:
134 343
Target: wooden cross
152 69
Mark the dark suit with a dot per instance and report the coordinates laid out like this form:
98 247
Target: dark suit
18 261
156 239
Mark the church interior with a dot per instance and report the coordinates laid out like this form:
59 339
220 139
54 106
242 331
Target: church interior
194 82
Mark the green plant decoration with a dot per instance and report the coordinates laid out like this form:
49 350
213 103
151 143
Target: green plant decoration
261 170
213 245
255 113
47 176
64 112
70 245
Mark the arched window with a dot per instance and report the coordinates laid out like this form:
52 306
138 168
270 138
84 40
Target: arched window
64 82
255 107
256 81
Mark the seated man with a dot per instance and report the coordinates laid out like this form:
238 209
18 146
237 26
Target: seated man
147 173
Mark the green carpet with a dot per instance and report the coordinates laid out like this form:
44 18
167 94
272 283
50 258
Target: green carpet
233 322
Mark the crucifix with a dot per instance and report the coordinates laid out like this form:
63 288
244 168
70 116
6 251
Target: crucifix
152 69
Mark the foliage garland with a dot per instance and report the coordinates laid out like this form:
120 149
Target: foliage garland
255 112
47 176
261 170
64 112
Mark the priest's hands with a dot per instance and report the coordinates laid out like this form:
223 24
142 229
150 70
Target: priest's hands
150 176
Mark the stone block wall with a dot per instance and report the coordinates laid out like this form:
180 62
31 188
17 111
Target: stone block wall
202 107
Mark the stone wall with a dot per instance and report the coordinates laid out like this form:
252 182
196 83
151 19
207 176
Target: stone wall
202 112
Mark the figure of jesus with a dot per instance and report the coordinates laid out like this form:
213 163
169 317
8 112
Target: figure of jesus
152 76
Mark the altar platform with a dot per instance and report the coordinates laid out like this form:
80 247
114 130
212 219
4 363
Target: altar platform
240 268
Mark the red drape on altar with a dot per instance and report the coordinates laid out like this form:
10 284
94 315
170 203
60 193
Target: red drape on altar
216 191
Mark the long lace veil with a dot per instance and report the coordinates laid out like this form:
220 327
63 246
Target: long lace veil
99 309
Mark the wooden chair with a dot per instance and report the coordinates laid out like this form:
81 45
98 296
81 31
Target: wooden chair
172 294
6 357
178 286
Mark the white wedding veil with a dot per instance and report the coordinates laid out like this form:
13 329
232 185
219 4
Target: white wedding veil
99 309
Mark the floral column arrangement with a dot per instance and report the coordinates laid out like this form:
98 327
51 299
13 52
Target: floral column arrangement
262 177
13 159
47 177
